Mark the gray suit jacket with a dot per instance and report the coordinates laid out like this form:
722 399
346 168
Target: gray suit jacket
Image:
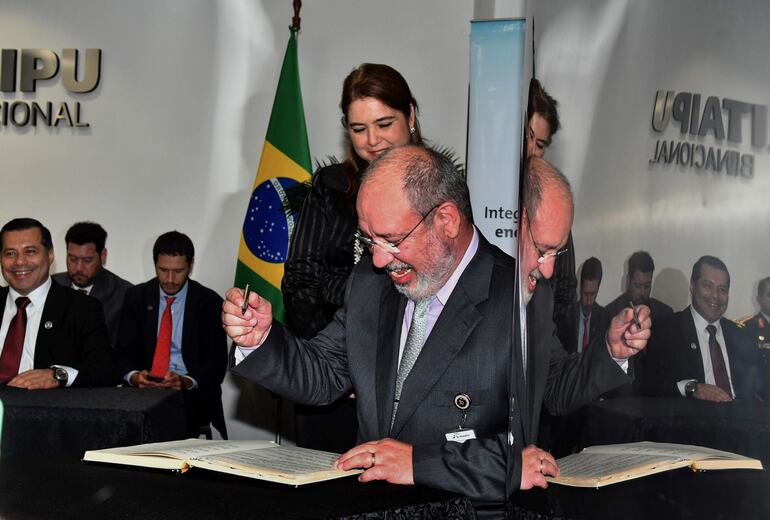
110 289
468 351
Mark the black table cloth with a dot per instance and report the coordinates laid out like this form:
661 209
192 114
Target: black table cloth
73 490
62 423
740 426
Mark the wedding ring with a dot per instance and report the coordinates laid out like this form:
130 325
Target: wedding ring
374 461
541 465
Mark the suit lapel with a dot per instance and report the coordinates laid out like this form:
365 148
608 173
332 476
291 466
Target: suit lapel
3 297
50 322
392 307
692 355
455 324
151 302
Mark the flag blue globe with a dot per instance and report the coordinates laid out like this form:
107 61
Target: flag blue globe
267 229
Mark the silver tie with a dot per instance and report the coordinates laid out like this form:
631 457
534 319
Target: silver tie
412 347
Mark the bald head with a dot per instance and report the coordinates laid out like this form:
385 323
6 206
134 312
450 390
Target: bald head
427 177
544 180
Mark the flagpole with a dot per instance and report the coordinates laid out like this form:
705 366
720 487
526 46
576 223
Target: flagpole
294 28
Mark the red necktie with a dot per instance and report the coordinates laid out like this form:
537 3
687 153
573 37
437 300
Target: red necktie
163 346
718 361
14 342
585 333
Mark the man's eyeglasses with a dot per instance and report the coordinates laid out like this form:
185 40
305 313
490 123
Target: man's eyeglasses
390 247
543 256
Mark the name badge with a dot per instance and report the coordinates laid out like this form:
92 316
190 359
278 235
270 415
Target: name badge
460 435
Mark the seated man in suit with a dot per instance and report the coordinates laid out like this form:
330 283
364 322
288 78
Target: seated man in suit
586 319
50 335
171 335
638 288
86 257
696 352
758 329
425 339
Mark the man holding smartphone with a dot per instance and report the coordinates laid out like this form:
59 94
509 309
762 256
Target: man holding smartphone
171 337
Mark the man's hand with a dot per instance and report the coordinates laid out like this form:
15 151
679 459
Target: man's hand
246 329
713 393
177 382
37 379
624 337
535 465
139 380
386 459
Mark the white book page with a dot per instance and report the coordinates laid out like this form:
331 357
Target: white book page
189 448
279 459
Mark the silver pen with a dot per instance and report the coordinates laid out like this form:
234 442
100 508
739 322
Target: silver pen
633 308
245 304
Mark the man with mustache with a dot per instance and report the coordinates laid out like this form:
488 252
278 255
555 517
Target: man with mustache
425 340
697 353
51 336
86 257
170 335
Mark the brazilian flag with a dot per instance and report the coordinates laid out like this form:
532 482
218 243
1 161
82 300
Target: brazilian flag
285 163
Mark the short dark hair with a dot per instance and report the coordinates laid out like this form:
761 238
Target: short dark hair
21 224
640 261
429 179
763 283
173 243
711 261
82 233
592 270
541 103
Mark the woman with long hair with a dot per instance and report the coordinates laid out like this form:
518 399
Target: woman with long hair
378 113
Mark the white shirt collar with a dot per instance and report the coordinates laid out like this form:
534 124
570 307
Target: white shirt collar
701 323
445 292
37 297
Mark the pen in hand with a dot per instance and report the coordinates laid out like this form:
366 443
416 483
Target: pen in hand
633 308
245 304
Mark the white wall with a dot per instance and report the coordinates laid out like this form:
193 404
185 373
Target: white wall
178 121
604 62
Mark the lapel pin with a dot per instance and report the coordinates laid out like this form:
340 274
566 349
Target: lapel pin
48 325
462 401
693 346
150 307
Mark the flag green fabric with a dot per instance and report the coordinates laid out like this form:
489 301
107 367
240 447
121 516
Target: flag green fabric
285 162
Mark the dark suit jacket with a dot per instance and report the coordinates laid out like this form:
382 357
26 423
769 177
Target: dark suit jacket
758 330
658 309
671 357
110 289
468 351
77 337
204 343
568 327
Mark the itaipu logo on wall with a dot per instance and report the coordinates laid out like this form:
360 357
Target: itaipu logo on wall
20 72
702 120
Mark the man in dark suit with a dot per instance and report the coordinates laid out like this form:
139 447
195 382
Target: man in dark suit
697 353
171 335
758 329
435 282
638 288
50 335
86 257
586 319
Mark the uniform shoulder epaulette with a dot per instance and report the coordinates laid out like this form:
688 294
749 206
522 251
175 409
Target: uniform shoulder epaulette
741 322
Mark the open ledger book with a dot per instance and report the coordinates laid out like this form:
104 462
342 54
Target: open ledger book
598 466
263 460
